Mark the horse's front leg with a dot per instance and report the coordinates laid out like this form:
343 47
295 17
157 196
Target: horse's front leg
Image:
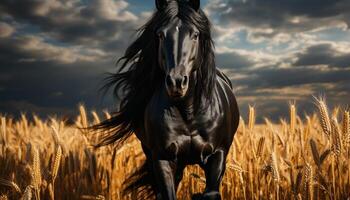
214 170
164 172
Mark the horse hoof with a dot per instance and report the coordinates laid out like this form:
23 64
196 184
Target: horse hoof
211 196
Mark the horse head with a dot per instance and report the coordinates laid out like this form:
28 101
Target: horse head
178 46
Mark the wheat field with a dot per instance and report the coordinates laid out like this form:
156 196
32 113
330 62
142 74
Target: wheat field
292 159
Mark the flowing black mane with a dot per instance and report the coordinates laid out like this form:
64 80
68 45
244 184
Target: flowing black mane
138 74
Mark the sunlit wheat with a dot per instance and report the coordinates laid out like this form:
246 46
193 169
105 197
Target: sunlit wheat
286 160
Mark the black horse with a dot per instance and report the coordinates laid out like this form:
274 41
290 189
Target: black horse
172 96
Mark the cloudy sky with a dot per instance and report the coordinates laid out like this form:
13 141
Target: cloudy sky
54 53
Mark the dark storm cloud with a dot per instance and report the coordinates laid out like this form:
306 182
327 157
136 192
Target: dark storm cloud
233 60
279 77
46 86
72 21
323 54
284 16
40 77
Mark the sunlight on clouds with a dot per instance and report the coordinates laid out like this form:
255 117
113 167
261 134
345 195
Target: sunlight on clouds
41 50
6 30
224 34
112 10
235 76
43 8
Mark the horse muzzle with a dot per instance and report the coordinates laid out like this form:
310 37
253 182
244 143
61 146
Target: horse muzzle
176 86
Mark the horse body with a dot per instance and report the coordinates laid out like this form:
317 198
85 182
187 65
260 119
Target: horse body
176 123
175 135
179 105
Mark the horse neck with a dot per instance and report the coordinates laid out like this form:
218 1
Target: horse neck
187 105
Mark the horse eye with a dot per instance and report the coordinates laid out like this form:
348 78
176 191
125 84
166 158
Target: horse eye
195 35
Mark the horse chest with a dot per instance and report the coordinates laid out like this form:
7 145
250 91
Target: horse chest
183 134
179 125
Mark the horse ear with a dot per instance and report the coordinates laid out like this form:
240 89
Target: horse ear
160 4
195 4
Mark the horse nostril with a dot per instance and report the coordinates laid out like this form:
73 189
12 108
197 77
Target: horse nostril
178 83
168 80
184 81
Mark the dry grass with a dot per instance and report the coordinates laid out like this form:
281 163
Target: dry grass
298 159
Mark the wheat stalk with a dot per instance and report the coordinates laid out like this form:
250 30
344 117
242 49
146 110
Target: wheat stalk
55 135
292 117
27 195
308 182
56 163
325 121
346 128
36 171
235 167
24 123
251 119
260 148
336 137
96 118
38 123
11 184
3 131
242 123
274 167
315 154
107 115
335 112
84 121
